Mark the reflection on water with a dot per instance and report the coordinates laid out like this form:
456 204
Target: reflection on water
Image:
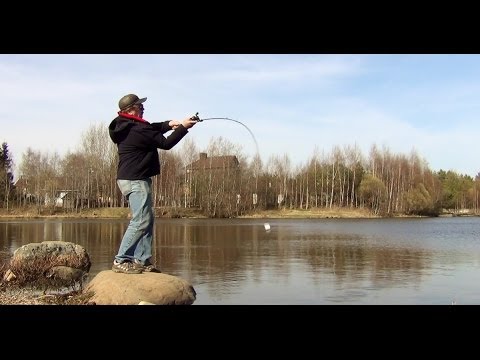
306 261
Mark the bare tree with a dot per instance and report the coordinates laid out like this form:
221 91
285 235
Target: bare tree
354 161
188 153
73 168
255 169
99 152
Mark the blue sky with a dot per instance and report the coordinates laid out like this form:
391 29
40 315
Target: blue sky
293 103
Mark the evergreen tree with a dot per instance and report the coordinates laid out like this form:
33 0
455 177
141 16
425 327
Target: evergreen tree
6 176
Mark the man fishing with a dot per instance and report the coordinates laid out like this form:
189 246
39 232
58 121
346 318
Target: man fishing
138 142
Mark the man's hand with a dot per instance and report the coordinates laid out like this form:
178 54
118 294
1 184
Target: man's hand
174 124
188 122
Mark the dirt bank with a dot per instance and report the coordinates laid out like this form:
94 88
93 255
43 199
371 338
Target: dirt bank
169 212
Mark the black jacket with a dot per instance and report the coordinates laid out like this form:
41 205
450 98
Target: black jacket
137 144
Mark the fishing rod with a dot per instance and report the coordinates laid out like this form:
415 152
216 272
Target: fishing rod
197 118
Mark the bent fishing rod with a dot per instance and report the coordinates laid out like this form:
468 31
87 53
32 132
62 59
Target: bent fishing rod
197 118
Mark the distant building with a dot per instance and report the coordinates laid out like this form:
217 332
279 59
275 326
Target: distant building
22 188
57 198
208 172
65 198
214 163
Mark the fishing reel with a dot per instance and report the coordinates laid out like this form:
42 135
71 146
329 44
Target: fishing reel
196 118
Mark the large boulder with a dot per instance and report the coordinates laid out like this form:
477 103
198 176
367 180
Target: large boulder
49 263
110 288
60 253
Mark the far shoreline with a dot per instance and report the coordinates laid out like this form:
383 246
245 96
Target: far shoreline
189 213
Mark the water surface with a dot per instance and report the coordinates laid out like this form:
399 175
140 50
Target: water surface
298 261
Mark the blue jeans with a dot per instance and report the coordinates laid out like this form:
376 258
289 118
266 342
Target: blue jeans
137 240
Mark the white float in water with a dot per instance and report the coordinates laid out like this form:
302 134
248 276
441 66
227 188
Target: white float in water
267 226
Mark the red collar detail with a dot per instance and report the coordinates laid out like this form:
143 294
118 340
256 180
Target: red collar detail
132 117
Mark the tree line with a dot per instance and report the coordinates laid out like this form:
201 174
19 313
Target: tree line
383 182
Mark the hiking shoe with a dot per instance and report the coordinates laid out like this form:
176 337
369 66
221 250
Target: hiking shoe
151 268
126 267
148 267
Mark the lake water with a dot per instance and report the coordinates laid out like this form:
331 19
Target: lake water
295 261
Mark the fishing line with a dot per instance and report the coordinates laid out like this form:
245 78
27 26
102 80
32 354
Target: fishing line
225 118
